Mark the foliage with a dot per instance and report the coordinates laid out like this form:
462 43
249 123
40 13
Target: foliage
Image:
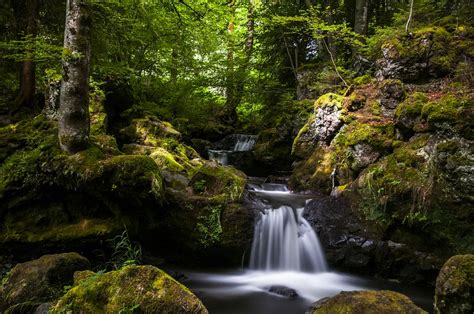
125 252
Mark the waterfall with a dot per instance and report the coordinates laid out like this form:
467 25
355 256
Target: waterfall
244 142
231 144
283 238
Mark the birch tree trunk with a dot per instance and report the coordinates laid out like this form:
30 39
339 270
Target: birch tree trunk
74 100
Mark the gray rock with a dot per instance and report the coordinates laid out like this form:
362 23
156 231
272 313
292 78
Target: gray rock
283 291
326 123
363 155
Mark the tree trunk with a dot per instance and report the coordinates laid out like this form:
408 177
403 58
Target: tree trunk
74 100
239 78
230 79
27 16
361 14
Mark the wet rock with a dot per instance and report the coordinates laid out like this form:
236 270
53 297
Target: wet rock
283 291
455 286
144 289
357 245
367 302
42 280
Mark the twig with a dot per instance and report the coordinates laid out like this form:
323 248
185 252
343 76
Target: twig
334 63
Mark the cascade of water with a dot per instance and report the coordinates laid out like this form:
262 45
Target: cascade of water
284 240
244 143
221 156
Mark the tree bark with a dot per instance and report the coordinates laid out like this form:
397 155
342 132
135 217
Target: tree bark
27 16
74 100
361 14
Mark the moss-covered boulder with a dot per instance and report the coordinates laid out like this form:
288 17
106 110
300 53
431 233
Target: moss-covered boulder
148 130
366 302
143 289
424 52
455 286
42 280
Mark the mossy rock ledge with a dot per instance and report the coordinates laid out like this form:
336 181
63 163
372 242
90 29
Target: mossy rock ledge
152 184
131 289
366 302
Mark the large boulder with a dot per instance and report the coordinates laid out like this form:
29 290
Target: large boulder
42 280
455 286
366 302
423 53
143 289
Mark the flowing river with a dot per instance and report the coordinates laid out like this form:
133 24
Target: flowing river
287 270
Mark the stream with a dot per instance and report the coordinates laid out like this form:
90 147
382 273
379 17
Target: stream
287 271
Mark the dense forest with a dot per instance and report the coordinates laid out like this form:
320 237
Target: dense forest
236 156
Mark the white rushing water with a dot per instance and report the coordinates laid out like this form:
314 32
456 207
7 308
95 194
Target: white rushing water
285 253
284 240
244 143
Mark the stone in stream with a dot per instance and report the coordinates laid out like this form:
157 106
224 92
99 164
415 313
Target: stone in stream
283 291
131 289
455 286
365 302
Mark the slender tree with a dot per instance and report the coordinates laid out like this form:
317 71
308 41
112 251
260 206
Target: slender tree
74 100
361 17
27 16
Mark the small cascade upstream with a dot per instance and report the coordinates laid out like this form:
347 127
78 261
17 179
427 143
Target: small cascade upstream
235 143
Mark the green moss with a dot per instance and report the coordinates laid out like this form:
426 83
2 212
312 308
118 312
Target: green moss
329 100
454 285
371 302
297 148
446 109
379 136
143 288
412 106
362 80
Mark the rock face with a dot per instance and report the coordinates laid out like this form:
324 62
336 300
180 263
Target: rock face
42 280
363 155
352 244
144 289
366 302
455 286
403 161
